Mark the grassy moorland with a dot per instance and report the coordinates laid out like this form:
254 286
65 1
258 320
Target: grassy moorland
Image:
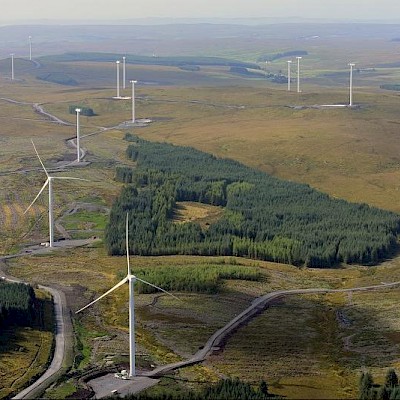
350 154
25 351
336 334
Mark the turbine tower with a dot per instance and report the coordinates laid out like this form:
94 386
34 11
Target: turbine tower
49 182
288 74
12 66
298 73
124 72
117 62
30 48
78 147
133 101
130 279
351 84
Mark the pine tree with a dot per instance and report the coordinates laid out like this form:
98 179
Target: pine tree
263 387
391 379
395 395
365 387
384 393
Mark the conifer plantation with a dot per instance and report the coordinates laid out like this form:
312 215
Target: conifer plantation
226 389
264 217
390 390
17 304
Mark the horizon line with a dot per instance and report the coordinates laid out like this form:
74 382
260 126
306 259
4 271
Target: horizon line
172 20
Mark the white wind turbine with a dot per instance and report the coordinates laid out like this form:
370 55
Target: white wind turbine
130 279
351 65
289 63
49 181
118 95
298 73
123 72
133 101
78 135
30 48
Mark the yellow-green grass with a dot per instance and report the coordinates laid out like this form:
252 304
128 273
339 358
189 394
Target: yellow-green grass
203 214
19 228
19 189
25 357
87 222
62 391
25 352
194 377
316 346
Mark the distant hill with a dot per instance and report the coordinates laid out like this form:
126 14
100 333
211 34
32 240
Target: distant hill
389 86
277 56
57 77
146 60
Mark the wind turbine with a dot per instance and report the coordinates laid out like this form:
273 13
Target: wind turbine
133 101
288 74
117 62
351 84
130 279
12 66
49 181
298 73
123 72
30 48
78 147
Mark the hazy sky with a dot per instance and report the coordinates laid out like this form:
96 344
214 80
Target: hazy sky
127 9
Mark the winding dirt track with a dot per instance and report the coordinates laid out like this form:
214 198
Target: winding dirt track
257 305
102 386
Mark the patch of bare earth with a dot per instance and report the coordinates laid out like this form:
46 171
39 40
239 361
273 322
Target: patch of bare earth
203 214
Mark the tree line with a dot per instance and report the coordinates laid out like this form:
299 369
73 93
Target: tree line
390 390
57 77
176 61
390 86
226 389
203 278
277 56
17 304
264 217
86 111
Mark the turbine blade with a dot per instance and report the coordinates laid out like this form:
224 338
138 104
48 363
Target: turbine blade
69 177
41 162
40 192
127 245
150 284
105 294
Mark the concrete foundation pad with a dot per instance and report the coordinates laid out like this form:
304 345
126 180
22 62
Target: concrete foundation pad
105 385
139 123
